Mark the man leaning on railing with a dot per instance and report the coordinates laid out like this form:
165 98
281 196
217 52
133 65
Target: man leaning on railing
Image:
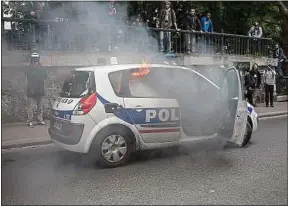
191 23
167 19
207 26
257 32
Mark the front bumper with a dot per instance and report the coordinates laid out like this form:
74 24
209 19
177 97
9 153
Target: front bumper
70 133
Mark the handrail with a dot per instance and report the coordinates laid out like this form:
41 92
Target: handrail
32 20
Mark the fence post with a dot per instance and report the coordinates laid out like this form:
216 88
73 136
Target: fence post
33 41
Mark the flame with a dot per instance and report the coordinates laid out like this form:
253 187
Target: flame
143 71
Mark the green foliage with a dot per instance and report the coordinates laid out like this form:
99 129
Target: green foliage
234 17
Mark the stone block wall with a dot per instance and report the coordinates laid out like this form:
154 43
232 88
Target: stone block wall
13 92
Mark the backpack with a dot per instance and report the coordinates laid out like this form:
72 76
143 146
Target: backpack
252 81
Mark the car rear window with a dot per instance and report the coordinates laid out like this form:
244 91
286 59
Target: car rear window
78 84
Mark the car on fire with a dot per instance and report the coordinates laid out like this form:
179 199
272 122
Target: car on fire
113 110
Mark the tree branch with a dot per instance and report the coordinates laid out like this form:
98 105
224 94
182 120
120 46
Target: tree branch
283 8
269 22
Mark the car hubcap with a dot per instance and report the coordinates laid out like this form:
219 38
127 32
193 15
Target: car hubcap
114 148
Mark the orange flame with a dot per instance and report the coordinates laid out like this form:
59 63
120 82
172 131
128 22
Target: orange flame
143 71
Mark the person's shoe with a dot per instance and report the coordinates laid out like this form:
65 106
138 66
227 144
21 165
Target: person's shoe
267 105
272 105
41 123
30 124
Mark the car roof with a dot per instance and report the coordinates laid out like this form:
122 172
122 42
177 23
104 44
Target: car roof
118 67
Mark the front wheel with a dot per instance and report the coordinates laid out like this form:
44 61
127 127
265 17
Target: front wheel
111 149
248 134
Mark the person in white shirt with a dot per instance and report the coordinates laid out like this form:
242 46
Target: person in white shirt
269 82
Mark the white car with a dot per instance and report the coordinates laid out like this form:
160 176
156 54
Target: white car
112 111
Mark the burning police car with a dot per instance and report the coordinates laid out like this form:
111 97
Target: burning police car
111 111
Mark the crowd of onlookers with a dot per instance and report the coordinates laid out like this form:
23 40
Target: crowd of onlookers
117 36
254 80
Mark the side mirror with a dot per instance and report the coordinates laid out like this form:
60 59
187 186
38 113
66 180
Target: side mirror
112 107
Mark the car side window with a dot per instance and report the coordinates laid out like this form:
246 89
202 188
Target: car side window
232 83
116 80
151 83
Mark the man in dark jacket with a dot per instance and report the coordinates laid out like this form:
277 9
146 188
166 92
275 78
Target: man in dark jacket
256 74
167 19
279 55
256 77
36 77
249 86
191 23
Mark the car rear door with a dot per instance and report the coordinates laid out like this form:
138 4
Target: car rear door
149 106
77 85
235 108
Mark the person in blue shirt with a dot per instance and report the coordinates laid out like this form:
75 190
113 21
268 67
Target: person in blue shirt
207 25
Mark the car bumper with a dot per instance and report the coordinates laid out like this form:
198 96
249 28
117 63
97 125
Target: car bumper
69 134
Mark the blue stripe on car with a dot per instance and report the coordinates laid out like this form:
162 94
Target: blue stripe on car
250 109
63 114
138 117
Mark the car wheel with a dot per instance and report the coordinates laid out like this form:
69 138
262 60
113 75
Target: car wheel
112 149
248 134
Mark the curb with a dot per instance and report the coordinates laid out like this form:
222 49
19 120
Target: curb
45 142
26 144
272 114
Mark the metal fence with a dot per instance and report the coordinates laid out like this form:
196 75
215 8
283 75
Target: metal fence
26 34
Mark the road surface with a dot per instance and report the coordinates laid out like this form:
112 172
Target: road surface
253 175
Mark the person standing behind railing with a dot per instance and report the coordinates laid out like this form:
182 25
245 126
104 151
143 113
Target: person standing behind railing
269 82
191 23
257 32
167 19
279 55
207 26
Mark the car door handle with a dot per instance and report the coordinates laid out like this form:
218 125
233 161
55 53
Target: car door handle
138 106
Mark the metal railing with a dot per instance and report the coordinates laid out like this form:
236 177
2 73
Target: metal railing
27 34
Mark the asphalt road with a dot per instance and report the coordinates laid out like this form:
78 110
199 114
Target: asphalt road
253 175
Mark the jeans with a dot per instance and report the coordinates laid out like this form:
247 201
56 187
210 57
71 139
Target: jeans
269 89
279 68
206 44
165 36
190 42
39 104
249 96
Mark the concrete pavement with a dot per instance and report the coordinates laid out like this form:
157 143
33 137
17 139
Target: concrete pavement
19 135
256 174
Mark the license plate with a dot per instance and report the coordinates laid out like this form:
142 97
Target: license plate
58 125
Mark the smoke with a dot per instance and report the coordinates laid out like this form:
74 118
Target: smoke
96 31
201 103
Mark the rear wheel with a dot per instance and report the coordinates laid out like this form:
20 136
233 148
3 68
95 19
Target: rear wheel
248 134
112 149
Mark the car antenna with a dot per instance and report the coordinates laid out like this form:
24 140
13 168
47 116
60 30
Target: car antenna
88 60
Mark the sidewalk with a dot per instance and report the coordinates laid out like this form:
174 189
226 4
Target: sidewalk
19 135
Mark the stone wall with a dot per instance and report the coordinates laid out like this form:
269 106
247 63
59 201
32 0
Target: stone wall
13 92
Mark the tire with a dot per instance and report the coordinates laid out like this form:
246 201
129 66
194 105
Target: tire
101 146
248 134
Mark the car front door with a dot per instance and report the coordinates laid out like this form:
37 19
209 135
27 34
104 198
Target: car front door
150 107
235 107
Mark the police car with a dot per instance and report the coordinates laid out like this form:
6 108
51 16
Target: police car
111 111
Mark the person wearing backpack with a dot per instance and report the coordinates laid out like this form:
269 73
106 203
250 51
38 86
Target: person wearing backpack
167 19
256 31
269 81
249 86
